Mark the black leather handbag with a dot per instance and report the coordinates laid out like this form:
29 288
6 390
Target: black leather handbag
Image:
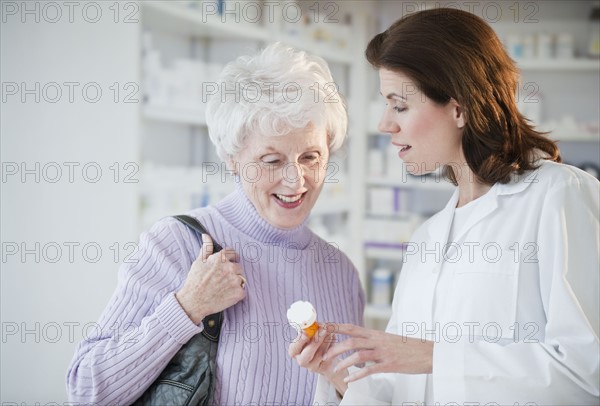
187 379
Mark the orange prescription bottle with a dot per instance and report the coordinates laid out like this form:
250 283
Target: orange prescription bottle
303 315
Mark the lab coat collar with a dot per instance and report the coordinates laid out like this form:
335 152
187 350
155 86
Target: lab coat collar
517 184
440 228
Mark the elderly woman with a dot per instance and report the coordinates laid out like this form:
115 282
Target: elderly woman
497 301
276 135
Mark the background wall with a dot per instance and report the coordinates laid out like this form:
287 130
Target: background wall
87 164
65 217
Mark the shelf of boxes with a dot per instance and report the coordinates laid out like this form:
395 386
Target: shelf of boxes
378 312
433 182
174 115
551 65
389 251
199 20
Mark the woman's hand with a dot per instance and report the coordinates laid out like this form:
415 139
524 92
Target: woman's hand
214 283
383 352
308 352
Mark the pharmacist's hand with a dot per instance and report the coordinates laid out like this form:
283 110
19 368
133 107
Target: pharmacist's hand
308 352
383 352
214 283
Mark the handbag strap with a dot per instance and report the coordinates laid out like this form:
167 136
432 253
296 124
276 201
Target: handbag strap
212 322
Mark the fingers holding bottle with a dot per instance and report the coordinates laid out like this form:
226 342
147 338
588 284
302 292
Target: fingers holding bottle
309 353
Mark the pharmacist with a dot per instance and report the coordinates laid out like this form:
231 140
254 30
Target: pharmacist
498 298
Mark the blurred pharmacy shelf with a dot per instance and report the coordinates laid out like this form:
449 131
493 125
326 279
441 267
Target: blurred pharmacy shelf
558 65
413 182
174 115
378 312
186 18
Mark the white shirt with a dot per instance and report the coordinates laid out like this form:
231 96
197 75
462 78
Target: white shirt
518 319
443 288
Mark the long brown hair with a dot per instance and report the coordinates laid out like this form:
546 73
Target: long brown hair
450 53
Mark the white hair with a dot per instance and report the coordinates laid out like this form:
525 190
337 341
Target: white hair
272 93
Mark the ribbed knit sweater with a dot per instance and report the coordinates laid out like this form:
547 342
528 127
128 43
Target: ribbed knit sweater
143 325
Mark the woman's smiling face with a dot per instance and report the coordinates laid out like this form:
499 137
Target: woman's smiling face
283 175
427 135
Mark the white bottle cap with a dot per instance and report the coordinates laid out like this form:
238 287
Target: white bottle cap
302 314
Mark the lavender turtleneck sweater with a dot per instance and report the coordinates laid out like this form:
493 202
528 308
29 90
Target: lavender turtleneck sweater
143 325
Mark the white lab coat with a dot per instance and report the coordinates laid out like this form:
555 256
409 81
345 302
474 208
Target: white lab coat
516 317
